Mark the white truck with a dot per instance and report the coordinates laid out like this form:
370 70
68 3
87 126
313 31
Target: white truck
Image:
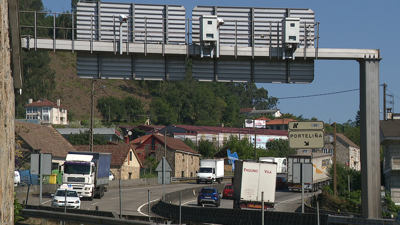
87 173
211 170
251 180
316 171
280 163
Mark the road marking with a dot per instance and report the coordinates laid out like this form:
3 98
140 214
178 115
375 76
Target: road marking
95 203
46 202
289 200
140 207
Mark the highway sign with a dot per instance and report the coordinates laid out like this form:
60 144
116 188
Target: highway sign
306 125
306 139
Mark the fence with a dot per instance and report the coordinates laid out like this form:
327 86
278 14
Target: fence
171 210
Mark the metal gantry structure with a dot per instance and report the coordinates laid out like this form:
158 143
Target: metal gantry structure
151 42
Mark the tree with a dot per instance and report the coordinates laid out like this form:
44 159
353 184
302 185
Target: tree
280 147
243 147
133 107
190 143
83 139
206 148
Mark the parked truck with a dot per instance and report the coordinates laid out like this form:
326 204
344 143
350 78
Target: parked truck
315 170
211 170
87 173
280 163
251 180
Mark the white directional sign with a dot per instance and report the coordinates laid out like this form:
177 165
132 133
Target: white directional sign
309 134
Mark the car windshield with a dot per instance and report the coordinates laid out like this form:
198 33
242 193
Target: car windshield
69 193
229 187
210 191
205 170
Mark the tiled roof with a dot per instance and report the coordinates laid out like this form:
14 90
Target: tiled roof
174 144
346 140
263 118
43 137
390 128
140 139
119 151
279 121
44 102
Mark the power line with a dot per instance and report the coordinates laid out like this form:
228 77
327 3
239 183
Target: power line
316 95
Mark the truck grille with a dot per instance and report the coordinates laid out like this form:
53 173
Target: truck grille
76 179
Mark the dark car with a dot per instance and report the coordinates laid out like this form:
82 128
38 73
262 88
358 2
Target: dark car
208 195
228 191
281 183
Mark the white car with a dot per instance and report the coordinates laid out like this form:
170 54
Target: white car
72 197
17 178
111 176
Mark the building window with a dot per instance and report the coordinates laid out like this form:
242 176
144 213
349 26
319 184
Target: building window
191 174
31 110
130 155
305 151
130 176
192 159
183 173
183 157
153 144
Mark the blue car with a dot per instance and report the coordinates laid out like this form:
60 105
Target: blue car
208 195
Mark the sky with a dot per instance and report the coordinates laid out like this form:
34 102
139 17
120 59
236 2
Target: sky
352 24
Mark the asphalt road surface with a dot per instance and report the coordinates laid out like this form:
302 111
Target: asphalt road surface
134 200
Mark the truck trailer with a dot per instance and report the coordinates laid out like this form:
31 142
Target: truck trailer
87 173
280 163
211 170
251 180
316 170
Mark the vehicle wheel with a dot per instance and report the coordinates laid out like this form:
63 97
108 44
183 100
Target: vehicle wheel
198 203
101 192
219 181
219 203
211 182
197 181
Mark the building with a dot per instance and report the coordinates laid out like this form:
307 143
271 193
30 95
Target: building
347 152
220 135
251 112
278 124
125 163
390 142
39 138
184 161
46 112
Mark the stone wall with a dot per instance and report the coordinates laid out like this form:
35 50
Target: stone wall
7 99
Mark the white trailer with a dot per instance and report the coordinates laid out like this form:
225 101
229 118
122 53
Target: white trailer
280 163
316 171
211 170
250 181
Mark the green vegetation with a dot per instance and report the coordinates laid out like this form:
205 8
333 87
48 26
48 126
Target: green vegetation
17 208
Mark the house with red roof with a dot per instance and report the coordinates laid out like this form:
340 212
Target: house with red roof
46 112
184 161
278 124
125 163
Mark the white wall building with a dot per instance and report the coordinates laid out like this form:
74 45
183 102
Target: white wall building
46 112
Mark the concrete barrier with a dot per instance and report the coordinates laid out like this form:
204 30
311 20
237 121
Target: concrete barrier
51 188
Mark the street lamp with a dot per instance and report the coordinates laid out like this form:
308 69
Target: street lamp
91 115
164 157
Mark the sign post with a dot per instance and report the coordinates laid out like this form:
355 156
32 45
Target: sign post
41 164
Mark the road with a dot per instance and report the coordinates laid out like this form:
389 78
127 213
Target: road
134 199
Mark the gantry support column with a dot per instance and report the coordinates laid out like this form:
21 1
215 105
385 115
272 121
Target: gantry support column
370 144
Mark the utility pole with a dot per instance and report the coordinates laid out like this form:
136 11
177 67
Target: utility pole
334 161
255 140
384 101
91 118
